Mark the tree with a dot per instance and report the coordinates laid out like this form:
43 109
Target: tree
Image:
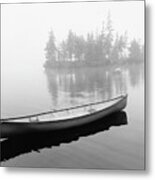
70 44
99 49
135 51
79 47
142 52
118 47
99 46
103 42
51 48
105 47
90 48
63 55
108 37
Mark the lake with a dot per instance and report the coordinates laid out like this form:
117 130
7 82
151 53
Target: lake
28 89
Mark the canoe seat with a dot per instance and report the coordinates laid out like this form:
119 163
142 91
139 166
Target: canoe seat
36 119
91 110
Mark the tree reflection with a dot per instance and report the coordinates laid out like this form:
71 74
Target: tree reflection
82 85
136 74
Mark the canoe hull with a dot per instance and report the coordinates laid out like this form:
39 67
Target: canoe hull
10 129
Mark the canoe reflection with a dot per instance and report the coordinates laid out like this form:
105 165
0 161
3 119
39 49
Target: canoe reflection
13 147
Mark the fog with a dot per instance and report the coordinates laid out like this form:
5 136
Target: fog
25 27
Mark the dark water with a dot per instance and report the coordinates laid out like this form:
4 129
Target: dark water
118 143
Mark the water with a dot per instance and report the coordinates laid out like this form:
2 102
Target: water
118 144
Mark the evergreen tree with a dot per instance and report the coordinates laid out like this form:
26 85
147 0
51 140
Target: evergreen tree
90 48
102 48
51 48
108 38
100 51
79 47
70 44
142 52
135 51
103 38
62 51
118 47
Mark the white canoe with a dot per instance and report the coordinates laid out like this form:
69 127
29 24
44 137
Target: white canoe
61 119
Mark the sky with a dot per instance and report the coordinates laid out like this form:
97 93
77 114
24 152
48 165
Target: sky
25 27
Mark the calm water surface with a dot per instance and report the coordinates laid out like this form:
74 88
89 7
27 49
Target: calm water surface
30 90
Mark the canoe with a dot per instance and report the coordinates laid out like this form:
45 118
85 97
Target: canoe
61 119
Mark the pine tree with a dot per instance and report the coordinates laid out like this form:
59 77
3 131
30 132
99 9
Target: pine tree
118 47
135 51
51 48
109 37
70 44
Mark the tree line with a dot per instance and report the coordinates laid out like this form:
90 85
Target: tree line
104 47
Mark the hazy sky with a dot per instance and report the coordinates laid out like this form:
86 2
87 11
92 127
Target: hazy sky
25 27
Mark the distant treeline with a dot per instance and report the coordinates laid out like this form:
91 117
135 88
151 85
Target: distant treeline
100 48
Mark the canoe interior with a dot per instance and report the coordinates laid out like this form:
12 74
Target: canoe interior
70 113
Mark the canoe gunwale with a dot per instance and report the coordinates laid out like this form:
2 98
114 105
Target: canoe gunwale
122 98
60 110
